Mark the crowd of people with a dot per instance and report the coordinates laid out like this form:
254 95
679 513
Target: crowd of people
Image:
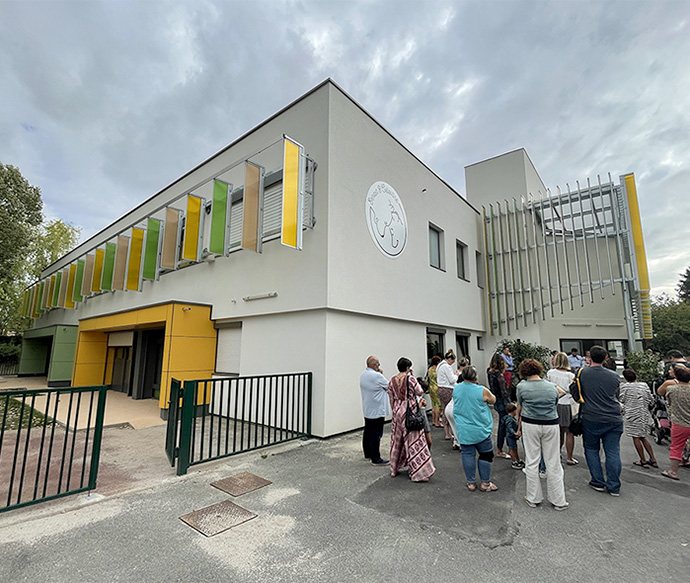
545 410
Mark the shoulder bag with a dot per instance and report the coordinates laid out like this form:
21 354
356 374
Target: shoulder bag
575 426
414 420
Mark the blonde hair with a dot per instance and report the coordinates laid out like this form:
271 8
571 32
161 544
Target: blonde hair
561 361
449 355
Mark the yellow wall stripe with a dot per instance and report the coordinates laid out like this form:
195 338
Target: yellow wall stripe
293 196
98 271
134 266
190 248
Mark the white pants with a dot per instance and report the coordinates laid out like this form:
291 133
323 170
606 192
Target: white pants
451 422
538 440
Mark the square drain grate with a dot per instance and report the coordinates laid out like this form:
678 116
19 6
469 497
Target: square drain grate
240 484
217 518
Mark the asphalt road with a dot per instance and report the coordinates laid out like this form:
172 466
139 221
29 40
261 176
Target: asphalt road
331 516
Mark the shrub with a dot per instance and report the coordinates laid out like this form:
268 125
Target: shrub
522 350
647 365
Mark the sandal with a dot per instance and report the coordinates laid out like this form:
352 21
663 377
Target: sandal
572 462
471 486
653 463
640 464
491 487
503 455
669 475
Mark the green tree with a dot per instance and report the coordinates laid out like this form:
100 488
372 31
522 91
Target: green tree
27 244
53 240
683 287
671 322
20 216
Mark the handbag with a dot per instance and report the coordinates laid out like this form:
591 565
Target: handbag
414 420
575 426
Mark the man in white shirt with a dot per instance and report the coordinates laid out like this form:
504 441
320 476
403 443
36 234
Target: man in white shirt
375 406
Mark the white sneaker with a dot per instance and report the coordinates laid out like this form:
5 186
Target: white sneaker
542 475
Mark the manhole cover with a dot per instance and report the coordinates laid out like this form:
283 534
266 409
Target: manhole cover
240 484
214 519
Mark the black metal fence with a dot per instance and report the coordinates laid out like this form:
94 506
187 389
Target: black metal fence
50 443
9 368
216 418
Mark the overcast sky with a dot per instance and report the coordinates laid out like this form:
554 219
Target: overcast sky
104 103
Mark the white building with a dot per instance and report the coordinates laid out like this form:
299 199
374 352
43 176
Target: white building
392 261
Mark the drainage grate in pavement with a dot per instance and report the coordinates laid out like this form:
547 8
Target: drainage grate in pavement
240 484
217 518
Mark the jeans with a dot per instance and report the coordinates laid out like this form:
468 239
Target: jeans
542 446
470 463
607 435
371 439
500 438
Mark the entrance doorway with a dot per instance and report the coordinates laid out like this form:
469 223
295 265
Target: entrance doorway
122 370
149 363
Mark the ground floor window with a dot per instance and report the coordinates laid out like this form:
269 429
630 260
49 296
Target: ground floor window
616 348
434 344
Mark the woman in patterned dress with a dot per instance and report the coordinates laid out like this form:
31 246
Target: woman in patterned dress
408 448
636 399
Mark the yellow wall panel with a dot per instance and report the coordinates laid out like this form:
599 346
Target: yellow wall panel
189 353
189 349
89 360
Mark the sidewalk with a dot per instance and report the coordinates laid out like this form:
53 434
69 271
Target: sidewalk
331 516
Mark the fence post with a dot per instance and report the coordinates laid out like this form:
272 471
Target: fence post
309 387
188 406
97 437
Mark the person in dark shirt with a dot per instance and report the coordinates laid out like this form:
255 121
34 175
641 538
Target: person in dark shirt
602 422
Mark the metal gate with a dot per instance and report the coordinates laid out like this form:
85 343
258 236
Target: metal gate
50 443
215 418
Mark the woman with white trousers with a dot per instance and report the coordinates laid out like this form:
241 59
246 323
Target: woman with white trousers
538 425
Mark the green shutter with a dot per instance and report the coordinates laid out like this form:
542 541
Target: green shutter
153 232
219 215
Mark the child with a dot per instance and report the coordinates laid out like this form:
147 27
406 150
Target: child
510 423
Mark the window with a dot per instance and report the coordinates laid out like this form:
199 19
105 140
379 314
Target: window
461 259
434 344
481 277
480 342
462 343
435 247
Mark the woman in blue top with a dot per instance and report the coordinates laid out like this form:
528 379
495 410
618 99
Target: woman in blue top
538 424
473 425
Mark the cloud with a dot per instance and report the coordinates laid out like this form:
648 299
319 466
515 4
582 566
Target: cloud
105 103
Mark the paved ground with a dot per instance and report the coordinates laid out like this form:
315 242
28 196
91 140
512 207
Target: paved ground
331 516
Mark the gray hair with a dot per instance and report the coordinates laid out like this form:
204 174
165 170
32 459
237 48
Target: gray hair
469 374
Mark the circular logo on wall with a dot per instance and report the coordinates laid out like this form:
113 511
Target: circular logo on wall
386 219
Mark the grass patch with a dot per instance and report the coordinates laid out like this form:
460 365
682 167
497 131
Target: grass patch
17 418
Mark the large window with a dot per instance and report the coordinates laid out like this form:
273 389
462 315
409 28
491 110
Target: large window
461 260
434 344
435 247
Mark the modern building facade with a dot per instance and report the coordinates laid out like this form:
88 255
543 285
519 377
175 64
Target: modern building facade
309 243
